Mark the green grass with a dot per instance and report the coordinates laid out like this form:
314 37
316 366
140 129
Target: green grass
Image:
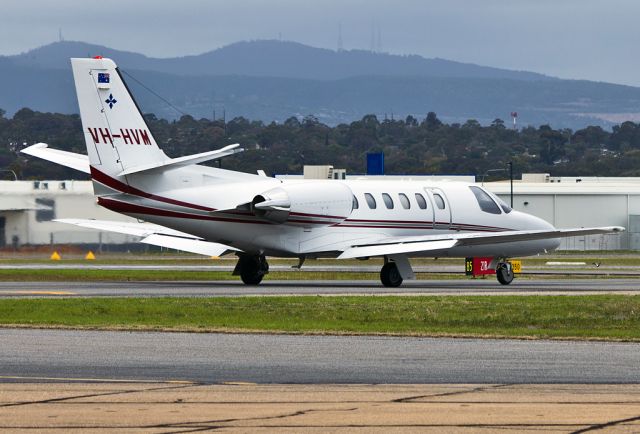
80 275
96 275
584 317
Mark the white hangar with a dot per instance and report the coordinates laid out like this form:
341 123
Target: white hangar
27 208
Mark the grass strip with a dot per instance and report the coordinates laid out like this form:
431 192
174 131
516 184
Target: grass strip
607 317
115 275
95 275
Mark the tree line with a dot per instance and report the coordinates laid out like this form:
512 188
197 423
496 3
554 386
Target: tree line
411 146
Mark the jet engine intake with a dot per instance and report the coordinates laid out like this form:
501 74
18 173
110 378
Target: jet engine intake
322 203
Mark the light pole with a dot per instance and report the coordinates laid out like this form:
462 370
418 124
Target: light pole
510 163
510 170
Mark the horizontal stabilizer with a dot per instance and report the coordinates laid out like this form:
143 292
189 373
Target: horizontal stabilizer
64 158
173 163
155 235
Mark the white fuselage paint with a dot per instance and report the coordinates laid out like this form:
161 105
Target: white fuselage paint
194 209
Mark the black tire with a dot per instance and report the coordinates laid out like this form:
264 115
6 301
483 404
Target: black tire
251 278
504 273
390 276
253 269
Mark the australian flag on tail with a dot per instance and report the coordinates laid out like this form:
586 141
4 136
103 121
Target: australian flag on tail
103 77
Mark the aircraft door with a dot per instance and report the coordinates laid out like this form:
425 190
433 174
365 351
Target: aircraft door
441 208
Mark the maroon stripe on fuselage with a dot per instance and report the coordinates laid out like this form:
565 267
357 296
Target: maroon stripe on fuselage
377 223
125 207
105 179
311 222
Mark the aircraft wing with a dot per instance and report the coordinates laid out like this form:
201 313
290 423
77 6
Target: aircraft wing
155 235
397 245
64 158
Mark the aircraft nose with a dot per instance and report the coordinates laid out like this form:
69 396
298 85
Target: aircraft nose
541 223
532 222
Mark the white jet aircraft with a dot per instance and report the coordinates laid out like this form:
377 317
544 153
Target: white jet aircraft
212 211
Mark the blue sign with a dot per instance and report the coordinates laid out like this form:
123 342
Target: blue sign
375 163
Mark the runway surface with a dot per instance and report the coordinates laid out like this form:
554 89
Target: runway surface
314 287
217 358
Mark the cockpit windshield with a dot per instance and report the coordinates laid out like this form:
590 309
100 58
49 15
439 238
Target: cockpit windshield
485 201
506 208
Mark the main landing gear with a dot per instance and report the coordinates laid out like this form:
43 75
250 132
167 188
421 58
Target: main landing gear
504 272
390 275
251 268
395 270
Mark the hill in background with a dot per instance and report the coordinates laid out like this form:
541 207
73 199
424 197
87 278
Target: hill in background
274 80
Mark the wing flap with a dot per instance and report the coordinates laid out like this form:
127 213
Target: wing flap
390 249
512 236
188 245
397 245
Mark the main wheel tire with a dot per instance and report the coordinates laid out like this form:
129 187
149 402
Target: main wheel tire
390 275
504 273
250 277
253 269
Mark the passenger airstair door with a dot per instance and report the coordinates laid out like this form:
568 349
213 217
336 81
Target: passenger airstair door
441 208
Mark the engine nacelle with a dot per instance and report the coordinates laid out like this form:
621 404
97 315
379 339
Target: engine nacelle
307 203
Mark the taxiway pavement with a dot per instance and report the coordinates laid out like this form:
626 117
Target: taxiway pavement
487 286
262 358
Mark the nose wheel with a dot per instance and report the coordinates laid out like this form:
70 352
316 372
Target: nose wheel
504 273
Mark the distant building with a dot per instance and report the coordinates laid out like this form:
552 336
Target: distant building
323 172
27 209
567 202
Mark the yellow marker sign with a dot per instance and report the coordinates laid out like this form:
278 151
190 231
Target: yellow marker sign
516 265
90 256
55 256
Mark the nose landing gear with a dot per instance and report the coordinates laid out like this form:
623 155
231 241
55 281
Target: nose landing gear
504 272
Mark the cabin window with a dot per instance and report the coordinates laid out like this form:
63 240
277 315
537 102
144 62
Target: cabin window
388 202
439 201
422 203
484 200
355 205
371 201
404 200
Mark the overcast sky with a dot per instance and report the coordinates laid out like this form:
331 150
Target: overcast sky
591 39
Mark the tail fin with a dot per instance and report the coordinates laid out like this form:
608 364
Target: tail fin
116 134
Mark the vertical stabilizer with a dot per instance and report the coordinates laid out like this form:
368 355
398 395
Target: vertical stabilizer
115 132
